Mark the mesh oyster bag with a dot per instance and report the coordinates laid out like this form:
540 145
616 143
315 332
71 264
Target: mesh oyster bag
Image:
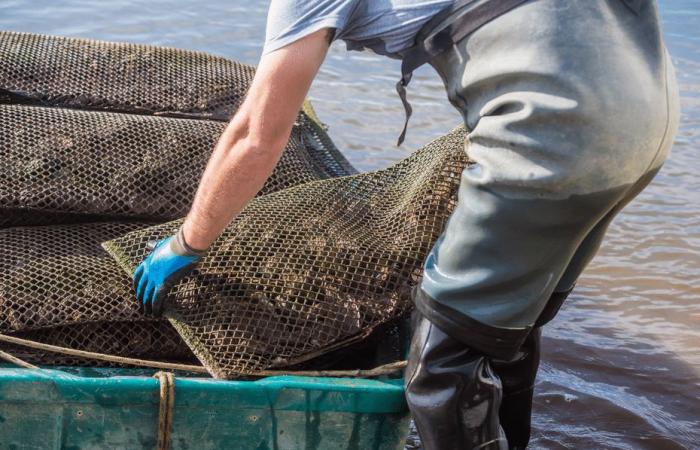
64 165
145 339
95 134
70 153
58 286
85 73
58 275
94 130
308 269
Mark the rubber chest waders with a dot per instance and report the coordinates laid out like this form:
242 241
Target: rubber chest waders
566 123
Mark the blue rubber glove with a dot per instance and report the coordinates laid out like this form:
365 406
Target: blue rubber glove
169 262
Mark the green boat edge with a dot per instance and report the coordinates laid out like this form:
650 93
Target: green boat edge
118 408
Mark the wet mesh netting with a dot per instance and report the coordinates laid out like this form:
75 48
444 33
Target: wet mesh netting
59 287
59 275
60 164
84 73
100 140
66 165
154 340
307 269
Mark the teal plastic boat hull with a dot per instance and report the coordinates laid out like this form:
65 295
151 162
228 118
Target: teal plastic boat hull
51 409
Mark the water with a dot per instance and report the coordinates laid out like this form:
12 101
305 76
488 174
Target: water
621 364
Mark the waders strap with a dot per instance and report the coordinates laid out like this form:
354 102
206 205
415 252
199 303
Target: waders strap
448 27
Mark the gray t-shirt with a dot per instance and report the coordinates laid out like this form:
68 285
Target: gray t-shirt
386 27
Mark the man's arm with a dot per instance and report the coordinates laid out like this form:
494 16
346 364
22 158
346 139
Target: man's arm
244 158
252 143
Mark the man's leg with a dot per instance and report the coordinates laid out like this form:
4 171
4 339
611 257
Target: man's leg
518 380
518 374
454 393
568 106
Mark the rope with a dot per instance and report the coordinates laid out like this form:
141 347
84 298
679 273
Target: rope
166 409
11 359
101 356
386 369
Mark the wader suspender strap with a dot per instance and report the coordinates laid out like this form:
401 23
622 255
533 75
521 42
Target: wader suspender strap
448 27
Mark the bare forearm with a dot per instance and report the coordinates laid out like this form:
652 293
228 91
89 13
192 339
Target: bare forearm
252 144
237 170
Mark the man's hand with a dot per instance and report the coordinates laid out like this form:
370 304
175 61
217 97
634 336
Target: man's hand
170 260
243 159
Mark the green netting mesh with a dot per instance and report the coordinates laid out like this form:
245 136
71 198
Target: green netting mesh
309 268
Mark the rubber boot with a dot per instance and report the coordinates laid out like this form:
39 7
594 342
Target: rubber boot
453 393
518 380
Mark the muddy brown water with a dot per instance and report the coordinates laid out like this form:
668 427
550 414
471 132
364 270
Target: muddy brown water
621 363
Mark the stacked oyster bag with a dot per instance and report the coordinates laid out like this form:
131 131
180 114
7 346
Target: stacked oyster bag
106 142
98 139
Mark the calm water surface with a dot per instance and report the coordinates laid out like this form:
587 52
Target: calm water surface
621 364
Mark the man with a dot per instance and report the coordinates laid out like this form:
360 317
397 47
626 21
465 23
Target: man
570 107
